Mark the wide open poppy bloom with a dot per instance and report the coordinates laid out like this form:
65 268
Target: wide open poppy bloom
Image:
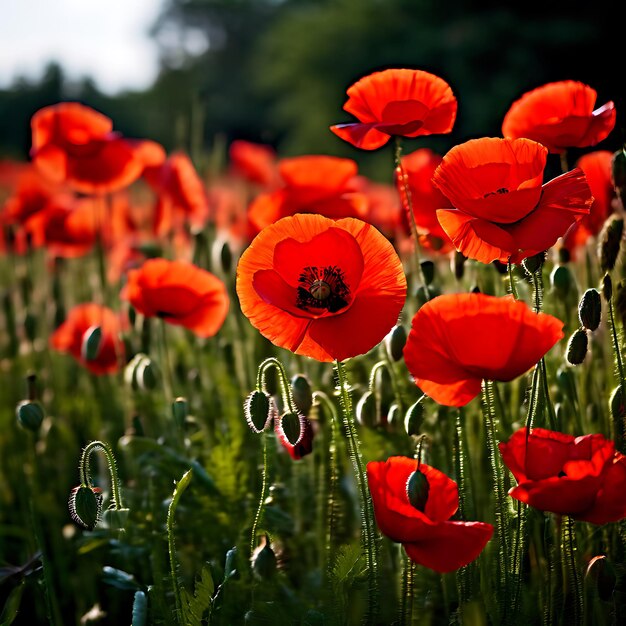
458 340
426 533
311 184
72 334
560 115
597 169
180 293
76 145
502 211
402 102
322 288
579 476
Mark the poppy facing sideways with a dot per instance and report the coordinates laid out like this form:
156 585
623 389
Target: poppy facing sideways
458 340
560 115
418 515
502 210
579 476
327 289
180 293
397 102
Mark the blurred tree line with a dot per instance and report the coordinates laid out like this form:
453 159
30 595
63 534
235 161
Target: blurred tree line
276 71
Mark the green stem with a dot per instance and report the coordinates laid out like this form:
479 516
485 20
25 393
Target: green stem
259 511
574 595
512 286
618 428
408 591
85 473
283 380
168 378
368 537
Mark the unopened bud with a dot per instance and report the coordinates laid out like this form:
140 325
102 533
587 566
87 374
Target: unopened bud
600 574
590 309
222 256
394 414
413 418
616 404
459 265
85 505
263 560
302 393
577 347
395 342
532 264
618 173
610 242
30 414
90 347
607 287
258 411
619 301
428 271
417 489
366 410
562 280
291 426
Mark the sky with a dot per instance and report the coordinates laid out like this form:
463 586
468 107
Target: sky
106 40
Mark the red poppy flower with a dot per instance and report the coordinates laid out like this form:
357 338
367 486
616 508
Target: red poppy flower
597 169
458 340
81 320
322 288
74 144
182 197
180 293
407 103
579 476
426 199
502 210
311 184
560 115
426 532
253 161
383 205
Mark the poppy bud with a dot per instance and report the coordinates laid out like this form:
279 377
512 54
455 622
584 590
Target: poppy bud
366 413
428 271
565 256
147 374
302 393
30 414
90 347
424 294
607 287
600 574
417 488
618 172
395 342
459 265
295 434
413 418
616 403
532 264
180 410
610 242
291 425
258 411
85 505
30 326
590 309
577 347
263 560
222 256
562 280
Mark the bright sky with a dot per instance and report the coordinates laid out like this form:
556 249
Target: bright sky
105 39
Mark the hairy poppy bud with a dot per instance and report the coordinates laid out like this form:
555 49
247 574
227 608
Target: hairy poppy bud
413 418
30 414
263 560
590 309
600 574
607 287
90 347
291 425
417 489
85 505
428 271
221 255
562 280
302 393
393 414
610 242
577 347
141 372
395 342
258 411
618 173
366 413
533 264
616 404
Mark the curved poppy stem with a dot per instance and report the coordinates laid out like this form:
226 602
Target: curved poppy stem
368 536
264 484
286 394
85 473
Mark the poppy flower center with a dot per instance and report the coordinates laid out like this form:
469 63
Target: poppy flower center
322 288
500 191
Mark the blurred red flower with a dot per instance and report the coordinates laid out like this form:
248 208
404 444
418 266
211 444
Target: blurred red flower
75 144
311 184
458 340
254 162
426 533
397 102
72 334
560 115
180 293
383 205
502 210
579 476
322 288
597 169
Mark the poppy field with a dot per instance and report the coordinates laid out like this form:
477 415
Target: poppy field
281 392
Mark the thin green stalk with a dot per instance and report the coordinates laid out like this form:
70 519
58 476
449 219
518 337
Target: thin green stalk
574 594
512 286
264 485
619 429
369 534
85 474
168 379
408 591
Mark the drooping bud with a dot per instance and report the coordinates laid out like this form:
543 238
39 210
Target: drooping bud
577 347
428 271
147 374
417 489
263 560
30 414
366 411
85 505
92 339
413 418
600 575
459 265
562 280
395 342
222 256
302 393
292 426
590 309
532 264
607 287
610 242
295 433
258 411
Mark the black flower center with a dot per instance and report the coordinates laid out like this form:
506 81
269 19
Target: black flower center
496 192
322 288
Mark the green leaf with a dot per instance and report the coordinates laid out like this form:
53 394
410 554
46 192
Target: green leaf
195 606
120 579
12 605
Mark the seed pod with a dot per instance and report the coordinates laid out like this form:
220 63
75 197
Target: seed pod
92 339
395 342
302 393
601 576
263 560
413 418
577 347
366 413
258 411
30 414
590 309
417 489
85 505
562 280
428 271
610 242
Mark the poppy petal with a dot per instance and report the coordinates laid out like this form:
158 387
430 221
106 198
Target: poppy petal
364 136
